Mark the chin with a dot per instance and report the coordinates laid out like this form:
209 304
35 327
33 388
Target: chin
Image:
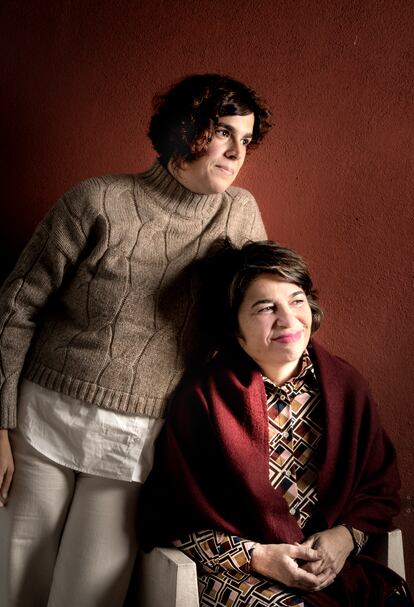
218 187
293 355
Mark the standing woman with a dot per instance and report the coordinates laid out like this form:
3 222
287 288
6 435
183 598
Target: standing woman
96 321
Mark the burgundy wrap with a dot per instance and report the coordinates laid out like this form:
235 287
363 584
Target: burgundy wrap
211 467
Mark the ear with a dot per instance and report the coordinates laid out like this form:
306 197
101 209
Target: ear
175 166
240 338
201 144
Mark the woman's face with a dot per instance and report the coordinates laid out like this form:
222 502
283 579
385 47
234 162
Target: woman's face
275 323
216 170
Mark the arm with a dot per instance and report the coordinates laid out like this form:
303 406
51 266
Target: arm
178 488
358 480
39 273
374 500
6 467
215 550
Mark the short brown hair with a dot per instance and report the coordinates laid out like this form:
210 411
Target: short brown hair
184 117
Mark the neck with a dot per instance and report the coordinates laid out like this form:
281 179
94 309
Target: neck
178 172
171 195
281 374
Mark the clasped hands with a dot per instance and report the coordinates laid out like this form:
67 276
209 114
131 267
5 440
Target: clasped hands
310 566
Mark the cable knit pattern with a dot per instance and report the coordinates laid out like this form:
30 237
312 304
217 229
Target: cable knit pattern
100 303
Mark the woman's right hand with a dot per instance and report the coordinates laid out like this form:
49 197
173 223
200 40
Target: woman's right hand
279 562
6 467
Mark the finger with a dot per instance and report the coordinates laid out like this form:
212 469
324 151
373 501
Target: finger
308 581
314 567
325 579
327 583
3 495
307 543
305 553
5 486
2 477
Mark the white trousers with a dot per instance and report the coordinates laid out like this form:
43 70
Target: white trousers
66 538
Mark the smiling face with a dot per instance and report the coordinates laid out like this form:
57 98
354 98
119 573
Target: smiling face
216 170
275 323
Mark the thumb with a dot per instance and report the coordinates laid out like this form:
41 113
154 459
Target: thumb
308 543
306 553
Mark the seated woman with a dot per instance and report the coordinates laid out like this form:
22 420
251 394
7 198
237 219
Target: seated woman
273 469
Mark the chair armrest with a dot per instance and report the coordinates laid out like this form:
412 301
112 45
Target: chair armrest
387 548
167 578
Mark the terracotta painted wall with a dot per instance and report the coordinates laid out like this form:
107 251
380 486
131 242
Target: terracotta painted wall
334 179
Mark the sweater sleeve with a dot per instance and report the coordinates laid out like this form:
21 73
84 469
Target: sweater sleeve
215 550
245 221
38 274
257 228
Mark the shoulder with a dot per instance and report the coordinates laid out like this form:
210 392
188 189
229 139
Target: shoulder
241 195
225 378
94 188
345 391
88 199
245 221
335 369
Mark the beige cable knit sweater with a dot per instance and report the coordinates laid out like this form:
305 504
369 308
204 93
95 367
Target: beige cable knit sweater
99 306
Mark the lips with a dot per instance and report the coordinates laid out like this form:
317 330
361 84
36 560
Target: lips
227 170
288 338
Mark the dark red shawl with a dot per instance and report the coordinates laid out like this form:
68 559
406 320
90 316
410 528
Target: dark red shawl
211 467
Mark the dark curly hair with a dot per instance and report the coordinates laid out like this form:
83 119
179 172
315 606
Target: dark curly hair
226 275
184 117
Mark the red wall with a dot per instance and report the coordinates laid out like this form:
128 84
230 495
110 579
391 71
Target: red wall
334 178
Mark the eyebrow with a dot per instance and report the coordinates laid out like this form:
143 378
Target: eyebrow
230 128
260 302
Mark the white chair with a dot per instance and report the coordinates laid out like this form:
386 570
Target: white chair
168 578
388 549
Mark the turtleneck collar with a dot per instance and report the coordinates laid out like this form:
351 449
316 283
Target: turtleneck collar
174 197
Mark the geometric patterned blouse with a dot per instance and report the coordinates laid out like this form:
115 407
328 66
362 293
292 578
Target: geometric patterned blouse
295 431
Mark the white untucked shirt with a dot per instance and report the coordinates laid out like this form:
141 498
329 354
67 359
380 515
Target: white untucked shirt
87 438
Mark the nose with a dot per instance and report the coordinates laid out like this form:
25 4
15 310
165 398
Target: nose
235 149
284 317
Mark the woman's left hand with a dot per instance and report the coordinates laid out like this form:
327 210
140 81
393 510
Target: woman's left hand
334 545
